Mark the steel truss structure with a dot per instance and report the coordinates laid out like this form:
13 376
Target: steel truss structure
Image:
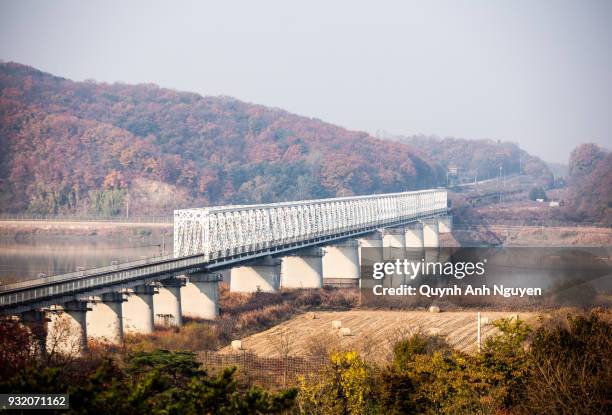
221 231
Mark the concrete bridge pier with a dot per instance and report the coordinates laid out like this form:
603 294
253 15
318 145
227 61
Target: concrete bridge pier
394 243
394 248
67 329
138 314
371 248
167 303
261 275
431 234
431 240
445 224
105 321
200 296
414 242
303 269
341 264
414 236
36 322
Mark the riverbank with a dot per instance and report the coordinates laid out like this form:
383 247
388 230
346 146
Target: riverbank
42 230
79 230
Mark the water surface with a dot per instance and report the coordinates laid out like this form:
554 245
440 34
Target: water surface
27 260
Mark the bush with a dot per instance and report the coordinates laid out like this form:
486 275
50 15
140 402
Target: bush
344 388
505 360
160 382
396 393
537 193
570 367
406 350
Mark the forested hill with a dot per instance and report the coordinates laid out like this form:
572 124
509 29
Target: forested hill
590 185
92 147
477 159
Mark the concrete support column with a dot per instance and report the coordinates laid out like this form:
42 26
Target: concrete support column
371 248
430 233
261 275
36 321
200 296
445 224
105 321
167 303
414 242
303 269
394 243
67 329
341 264
414 236
394 248
138 314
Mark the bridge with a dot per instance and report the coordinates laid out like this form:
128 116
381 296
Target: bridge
266 247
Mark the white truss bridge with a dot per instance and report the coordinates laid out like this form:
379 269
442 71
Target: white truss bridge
214 238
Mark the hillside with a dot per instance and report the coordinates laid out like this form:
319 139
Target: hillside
95 147
589 196
477 159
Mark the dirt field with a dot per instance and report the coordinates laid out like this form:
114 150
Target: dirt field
373 332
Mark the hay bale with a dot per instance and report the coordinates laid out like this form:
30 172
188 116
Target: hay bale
336 324
434 309
237 345
345 331
311 315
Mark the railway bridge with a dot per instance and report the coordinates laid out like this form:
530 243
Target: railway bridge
266 247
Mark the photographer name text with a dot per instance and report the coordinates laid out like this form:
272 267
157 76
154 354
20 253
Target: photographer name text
429 291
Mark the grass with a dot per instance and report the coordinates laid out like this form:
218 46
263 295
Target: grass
242 315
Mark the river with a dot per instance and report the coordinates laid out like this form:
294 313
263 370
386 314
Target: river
26 260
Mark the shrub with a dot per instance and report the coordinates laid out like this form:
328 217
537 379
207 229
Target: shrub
396 393
344 387
505 360
570 367
160 382
537 193
406 350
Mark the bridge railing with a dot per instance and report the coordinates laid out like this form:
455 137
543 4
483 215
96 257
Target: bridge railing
229 230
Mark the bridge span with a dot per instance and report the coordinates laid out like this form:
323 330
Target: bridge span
266 247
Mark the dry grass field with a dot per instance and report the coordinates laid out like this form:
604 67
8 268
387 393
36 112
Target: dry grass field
373 332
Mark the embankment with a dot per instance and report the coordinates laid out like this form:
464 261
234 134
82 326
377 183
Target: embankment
30 230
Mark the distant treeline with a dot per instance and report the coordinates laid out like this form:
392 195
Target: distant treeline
474 160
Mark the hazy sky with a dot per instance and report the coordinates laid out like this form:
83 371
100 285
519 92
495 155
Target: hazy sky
535 72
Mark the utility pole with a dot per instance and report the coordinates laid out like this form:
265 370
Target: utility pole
478 332
499 183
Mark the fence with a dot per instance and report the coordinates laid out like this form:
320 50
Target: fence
270 372
86 218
